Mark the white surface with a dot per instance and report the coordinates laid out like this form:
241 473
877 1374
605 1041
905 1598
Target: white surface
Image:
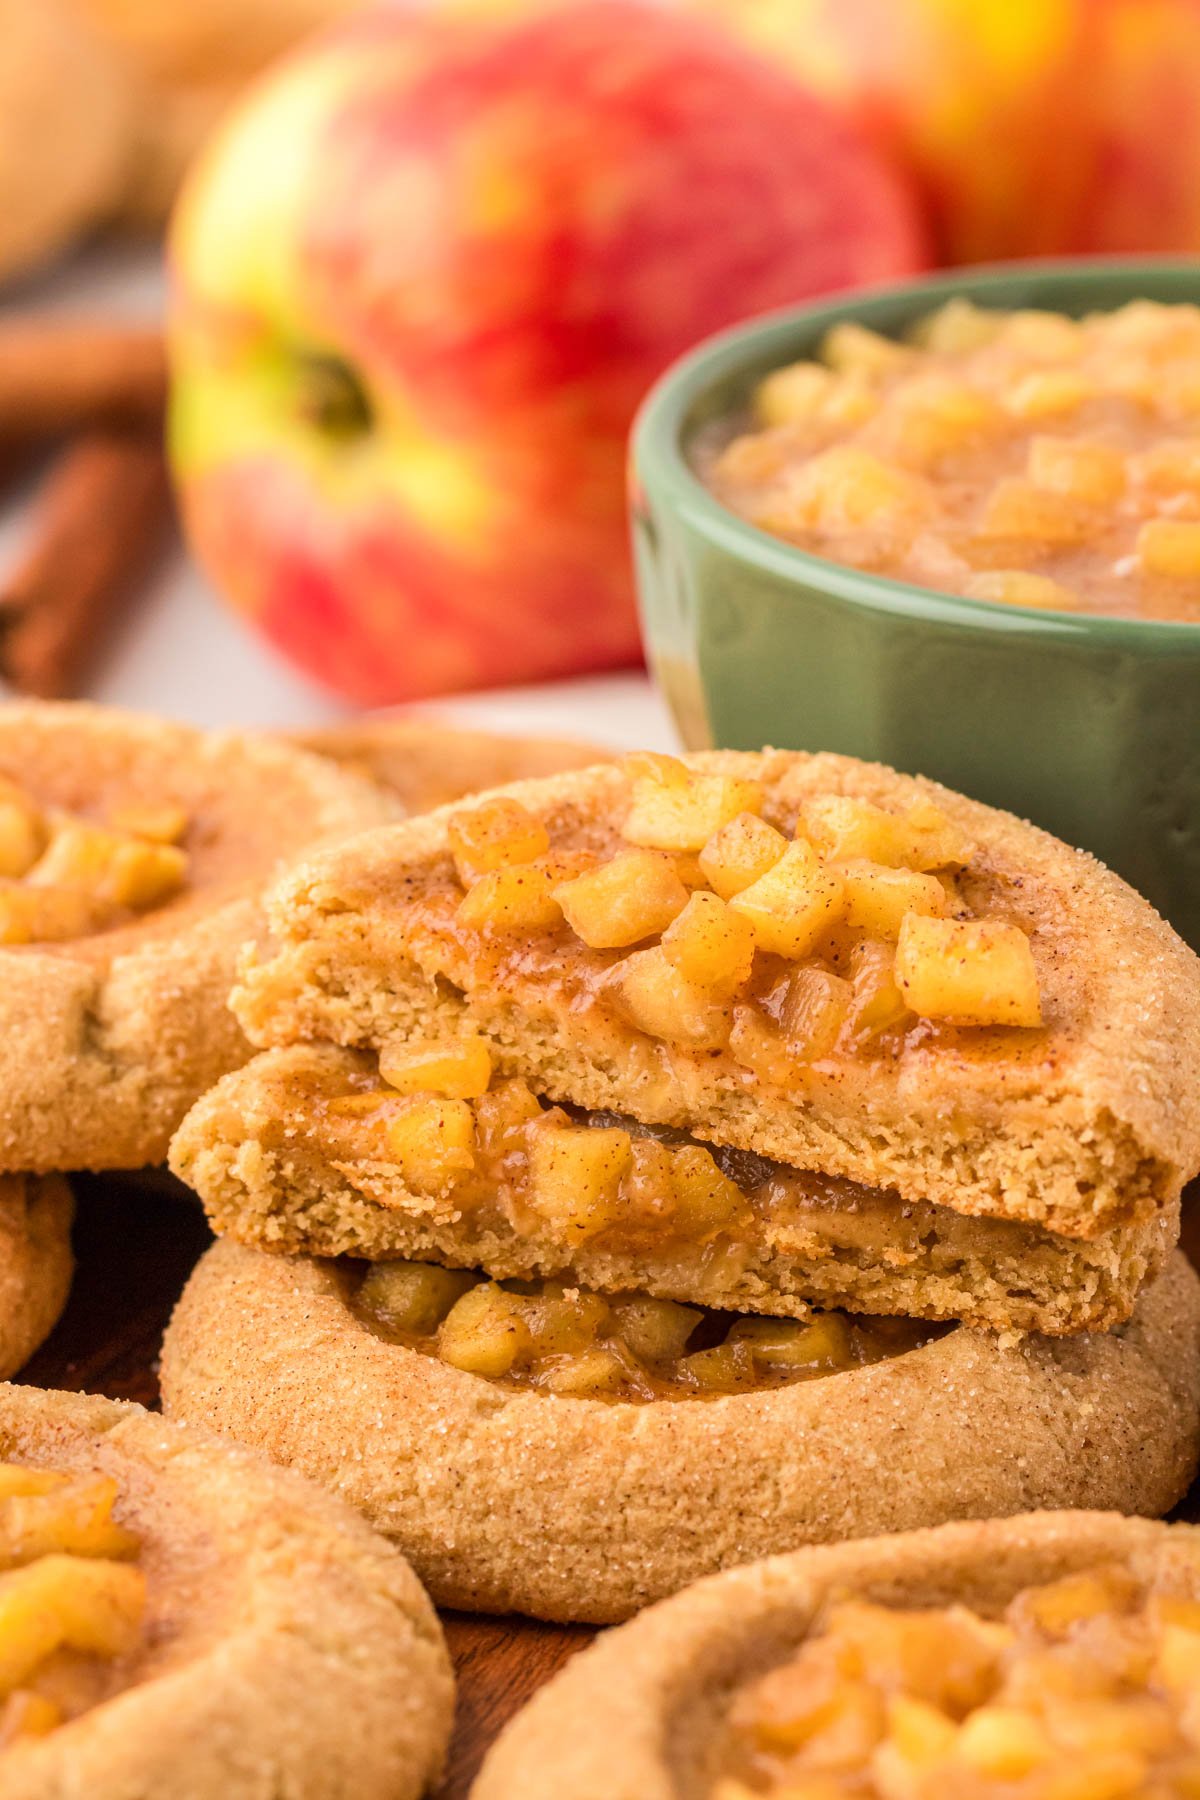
183 654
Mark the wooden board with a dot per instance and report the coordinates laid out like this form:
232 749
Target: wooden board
136 1240
137 1237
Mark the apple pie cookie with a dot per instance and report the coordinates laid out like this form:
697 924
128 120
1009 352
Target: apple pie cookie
133 853
757 1032
818 960
179 1622
555 1451
35 1263
1054 1656
427 763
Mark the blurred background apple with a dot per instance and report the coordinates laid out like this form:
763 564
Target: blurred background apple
423 277
1034 127
427 266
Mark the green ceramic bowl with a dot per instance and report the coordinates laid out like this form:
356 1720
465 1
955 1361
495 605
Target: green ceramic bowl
1089 726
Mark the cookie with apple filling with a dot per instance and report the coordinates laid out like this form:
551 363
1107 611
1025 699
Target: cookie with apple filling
180 1622
540 1447
1053 1655
133 854
817 960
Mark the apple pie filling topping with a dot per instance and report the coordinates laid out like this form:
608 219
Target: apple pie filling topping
567 1341
457 1135
71 1598
1024 458
842 934
64 877
1087 1688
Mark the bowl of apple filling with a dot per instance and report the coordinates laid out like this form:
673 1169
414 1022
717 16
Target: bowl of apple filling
955 526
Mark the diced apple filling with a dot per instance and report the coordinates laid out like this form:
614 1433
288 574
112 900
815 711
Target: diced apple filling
631 898
690 925
71 1602
876 899
1170 547
461 1073
576 1180
846 829
432 1143
581 1345
514 899
851 489
931 417
876 1005
1022 458
1017 587
23 832
711 945
62 877
495 835
1050 394
656 996
1083 470
969 971
673 808
1081 1689
794 905
739 853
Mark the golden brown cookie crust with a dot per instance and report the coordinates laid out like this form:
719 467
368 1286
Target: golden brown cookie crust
35 1263
290 1650
586 1509
253 1151
1093 1122
107 1040
426 763
637 1715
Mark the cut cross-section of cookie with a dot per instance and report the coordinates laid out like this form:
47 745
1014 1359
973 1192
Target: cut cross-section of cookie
310 1149
133 854
180 1622
35 1263
1053 1655
818 960
569 1341
589 1503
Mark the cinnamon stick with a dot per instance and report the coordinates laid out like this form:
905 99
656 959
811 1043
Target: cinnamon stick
59 374
98 526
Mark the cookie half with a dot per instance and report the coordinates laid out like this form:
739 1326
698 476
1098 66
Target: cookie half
973 1644
814 959
133 853
207 1626
309 1150
35 1263
508 1496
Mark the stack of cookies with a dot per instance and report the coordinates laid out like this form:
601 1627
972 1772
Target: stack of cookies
658 1165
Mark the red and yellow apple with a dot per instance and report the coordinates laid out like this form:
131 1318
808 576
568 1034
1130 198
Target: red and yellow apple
421 280
1032 126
